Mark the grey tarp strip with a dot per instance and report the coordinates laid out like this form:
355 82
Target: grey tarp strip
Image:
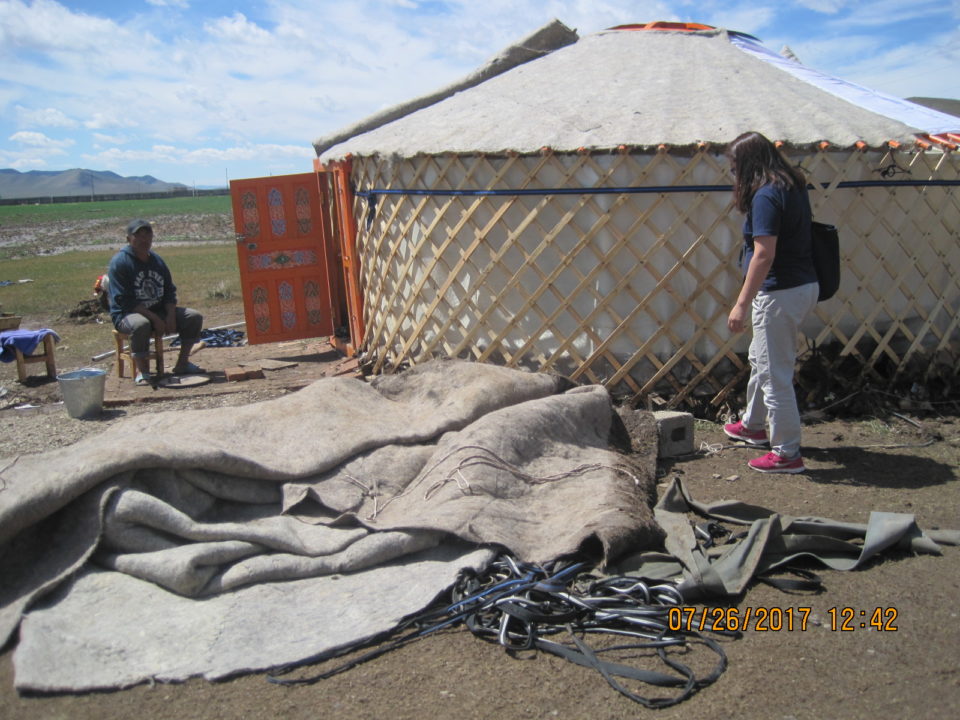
772 541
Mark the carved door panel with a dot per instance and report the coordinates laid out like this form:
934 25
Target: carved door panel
281 226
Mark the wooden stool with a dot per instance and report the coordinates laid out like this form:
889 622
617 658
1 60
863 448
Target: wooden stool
45 357
123 352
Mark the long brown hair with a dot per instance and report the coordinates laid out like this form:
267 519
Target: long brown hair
757 162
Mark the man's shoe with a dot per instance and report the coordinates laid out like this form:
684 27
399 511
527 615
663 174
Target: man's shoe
774 463
738 432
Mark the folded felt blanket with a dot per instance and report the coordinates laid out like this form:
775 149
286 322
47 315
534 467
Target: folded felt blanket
217 541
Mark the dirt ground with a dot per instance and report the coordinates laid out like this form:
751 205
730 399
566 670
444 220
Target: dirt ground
855 466
898 458
102 233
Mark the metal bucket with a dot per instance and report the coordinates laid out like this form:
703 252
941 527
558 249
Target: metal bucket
83 392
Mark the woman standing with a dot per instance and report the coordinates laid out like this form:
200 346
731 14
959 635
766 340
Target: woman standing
780 287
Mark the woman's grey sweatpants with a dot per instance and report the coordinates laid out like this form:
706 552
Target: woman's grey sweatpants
773 355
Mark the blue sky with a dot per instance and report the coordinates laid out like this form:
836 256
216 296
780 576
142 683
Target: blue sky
199 91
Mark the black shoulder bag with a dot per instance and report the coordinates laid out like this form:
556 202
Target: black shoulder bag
826 258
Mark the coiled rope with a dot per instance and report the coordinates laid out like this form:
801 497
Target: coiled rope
555 609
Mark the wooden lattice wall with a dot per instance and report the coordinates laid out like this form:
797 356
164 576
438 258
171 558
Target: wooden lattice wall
632 290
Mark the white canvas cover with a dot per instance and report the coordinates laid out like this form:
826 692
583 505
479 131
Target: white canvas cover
929 120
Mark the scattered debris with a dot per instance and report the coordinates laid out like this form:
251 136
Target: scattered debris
906 419
87 311
218 337
710 449
270 364
351 365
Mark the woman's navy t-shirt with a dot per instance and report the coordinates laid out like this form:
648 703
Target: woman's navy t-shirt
784 213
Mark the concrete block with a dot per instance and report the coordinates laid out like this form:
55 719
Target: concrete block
674 432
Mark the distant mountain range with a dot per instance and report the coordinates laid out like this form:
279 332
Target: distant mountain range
43 183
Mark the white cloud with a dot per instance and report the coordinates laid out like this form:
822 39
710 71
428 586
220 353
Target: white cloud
237 29
181 4
23 162
259 84
47 25
751 20
111 139
878 13
174 154
39 140
268 79
896 70
35 148
828 7
112 119
43 117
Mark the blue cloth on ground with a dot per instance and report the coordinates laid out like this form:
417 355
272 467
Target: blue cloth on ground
25 341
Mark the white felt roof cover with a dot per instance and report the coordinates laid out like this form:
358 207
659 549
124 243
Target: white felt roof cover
633 88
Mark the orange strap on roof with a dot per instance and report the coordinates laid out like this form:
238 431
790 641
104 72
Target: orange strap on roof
665 25
944 140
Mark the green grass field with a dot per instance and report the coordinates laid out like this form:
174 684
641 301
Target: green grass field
60 282
38 214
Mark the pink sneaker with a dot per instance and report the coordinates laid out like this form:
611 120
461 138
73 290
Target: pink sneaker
773 463
738 432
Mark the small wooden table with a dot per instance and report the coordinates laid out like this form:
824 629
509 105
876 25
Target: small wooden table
45 357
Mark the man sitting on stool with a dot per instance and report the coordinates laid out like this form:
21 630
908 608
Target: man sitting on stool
143 300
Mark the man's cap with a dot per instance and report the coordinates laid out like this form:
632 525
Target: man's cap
137 224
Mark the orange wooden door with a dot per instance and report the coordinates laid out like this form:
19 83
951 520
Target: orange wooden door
281 227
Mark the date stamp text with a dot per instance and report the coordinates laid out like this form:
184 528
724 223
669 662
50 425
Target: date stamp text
779 619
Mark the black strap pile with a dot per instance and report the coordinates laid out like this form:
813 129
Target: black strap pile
556 609
217 337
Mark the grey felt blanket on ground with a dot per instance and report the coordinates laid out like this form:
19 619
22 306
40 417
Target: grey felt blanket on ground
213 542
